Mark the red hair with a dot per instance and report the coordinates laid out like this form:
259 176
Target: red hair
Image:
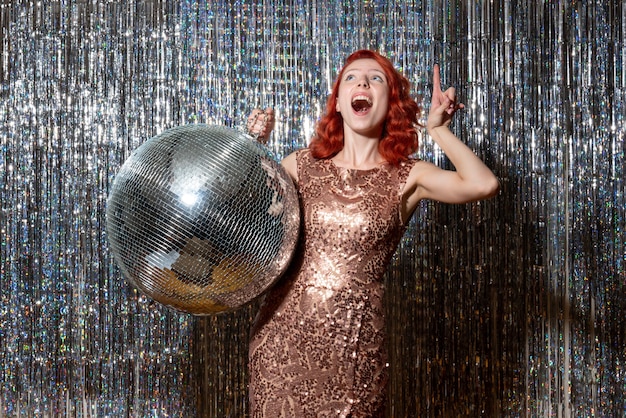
399 138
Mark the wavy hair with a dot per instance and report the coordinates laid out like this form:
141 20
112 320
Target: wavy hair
399 137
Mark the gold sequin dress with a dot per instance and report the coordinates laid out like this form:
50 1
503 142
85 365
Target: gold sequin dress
318 345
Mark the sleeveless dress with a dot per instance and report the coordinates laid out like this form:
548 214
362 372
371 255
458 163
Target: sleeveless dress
317 346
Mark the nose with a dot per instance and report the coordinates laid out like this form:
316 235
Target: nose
363 82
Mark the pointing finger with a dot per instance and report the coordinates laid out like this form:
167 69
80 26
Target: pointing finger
436 79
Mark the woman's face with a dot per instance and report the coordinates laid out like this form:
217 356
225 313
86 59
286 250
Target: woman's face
363 98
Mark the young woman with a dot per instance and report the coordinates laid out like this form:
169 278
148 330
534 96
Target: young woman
318 344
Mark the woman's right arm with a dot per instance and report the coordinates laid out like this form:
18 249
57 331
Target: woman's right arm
260 125
291 166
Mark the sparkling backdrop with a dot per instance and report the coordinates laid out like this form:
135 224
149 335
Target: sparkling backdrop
510 307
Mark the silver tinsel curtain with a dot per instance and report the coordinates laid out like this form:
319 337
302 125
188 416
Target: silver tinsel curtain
509 307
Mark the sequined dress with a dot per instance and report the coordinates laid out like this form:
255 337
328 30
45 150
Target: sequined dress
318 345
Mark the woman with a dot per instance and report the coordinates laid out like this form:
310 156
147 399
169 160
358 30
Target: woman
318 344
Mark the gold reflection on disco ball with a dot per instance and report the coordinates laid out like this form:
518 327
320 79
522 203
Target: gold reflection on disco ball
202 218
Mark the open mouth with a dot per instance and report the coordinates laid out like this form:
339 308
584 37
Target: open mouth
361 104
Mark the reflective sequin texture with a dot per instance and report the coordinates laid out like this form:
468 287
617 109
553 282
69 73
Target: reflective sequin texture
318 345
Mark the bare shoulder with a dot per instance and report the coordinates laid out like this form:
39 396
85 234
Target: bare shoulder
291 166
416 186
419 170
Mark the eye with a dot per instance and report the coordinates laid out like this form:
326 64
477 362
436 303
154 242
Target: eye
378 78
349 77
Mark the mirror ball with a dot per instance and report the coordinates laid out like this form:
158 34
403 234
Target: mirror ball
202 218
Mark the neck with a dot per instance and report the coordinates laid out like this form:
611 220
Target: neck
359 152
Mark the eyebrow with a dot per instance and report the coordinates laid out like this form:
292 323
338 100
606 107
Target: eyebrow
369 70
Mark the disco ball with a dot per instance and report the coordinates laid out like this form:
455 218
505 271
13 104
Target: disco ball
202 218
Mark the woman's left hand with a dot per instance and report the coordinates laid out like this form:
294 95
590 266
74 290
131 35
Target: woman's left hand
443 104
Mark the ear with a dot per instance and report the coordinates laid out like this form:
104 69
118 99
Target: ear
337 109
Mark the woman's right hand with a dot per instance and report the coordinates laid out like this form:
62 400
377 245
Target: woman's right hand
261 123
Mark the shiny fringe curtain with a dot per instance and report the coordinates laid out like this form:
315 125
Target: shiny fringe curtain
509 307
